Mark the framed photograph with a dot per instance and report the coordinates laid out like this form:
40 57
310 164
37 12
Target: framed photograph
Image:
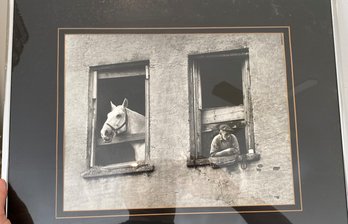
175 112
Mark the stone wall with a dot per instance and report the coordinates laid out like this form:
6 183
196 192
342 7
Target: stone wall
173 184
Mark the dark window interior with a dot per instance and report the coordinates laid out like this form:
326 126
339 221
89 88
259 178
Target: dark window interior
115 90
221 86
221 82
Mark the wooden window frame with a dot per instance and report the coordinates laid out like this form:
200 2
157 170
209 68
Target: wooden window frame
235 113
112 71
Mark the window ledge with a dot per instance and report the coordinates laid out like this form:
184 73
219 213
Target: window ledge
217 162
103 171
213 161
198 162
222 161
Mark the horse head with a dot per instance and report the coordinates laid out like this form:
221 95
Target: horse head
116 122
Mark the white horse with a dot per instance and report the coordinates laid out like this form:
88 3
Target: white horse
120 121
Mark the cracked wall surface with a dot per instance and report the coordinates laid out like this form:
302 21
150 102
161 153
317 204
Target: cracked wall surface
173 184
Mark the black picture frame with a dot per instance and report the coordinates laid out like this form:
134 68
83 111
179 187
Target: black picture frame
36 168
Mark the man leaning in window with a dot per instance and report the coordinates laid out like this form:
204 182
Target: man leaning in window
225 143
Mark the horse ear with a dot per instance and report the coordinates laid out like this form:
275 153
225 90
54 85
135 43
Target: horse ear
125 103
112 105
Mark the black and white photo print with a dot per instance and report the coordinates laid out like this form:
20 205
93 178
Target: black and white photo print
177 119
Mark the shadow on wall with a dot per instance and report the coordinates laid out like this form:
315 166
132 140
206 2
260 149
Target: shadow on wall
20 36
18 212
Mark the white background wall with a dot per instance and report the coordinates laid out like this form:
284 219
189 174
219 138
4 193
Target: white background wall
343 34
341 42
341 22
3 39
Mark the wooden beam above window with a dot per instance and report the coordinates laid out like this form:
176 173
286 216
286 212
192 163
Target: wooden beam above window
223 114
122 74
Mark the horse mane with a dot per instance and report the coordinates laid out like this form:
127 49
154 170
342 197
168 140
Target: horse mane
135 127
134 112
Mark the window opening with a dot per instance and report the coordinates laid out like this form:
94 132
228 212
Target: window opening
118 120
220 95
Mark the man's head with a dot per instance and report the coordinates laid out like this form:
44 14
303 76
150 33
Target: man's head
225 131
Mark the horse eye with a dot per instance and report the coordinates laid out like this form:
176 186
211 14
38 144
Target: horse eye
118 115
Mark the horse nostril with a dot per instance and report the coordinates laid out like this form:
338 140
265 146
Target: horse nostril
108 133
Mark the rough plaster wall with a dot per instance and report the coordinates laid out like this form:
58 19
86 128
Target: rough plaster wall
172 183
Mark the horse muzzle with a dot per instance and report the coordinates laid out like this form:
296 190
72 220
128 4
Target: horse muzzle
107 135
107 139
